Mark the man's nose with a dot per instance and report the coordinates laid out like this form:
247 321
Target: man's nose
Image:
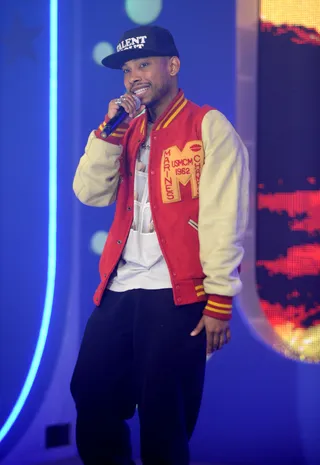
135 77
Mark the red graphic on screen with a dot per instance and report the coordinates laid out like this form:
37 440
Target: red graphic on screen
300 261
293 294
303 207
288 199
279 315
298 34
296 316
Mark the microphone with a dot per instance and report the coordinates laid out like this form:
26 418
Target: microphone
117 119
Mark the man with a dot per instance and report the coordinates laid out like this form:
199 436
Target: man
170 266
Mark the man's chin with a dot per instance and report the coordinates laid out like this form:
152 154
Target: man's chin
145 101
148 102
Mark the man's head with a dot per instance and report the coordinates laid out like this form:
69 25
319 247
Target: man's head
152 78
150 62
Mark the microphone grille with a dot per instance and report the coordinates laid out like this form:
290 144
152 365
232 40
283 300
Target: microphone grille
137 101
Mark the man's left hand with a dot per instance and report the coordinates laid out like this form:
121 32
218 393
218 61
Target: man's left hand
218 332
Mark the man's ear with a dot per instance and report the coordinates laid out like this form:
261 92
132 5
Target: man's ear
174 66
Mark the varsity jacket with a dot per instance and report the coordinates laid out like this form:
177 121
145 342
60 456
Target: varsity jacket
198 191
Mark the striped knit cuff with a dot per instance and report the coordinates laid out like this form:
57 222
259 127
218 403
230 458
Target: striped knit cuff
116 137
219 307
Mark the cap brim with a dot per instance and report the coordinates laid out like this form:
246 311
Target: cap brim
118 59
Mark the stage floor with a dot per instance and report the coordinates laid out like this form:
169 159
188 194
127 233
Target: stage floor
76 461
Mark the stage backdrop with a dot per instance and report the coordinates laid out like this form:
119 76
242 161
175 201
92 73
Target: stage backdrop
53 92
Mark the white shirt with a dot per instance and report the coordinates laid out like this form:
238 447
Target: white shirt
142 265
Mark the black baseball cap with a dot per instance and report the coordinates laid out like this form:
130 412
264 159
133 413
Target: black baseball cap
142 42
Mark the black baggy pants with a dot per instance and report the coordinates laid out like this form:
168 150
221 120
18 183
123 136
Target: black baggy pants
137 352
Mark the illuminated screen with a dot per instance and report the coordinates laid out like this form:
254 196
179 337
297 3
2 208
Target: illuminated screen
288 175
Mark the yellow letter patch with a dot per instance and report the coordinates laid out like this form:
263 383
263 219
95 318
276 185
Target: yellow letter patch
181 167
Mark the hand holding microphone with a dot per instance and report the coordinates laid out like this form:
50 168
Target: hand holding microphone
121 110
129 102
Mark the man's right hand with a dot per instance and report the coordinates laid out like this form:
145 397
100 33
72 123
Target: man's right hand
128 103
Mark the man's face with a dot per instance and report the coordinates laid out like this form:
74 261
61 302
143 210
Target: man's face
149 78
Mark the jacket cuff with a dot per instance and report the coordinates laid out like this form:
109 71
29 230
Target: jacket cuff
219 307
116 137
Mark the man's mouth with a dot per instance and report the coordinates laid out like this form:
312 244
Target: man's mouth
141 91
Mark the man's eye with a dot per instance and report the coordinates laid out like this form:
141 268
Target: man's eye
125 71
143 65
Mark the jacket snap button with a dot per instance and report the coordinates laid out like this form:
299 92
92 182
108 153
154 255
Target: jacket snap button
119 242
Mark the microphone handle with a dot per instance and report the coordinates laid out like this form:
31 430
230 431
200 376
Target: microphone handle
118 118
115 121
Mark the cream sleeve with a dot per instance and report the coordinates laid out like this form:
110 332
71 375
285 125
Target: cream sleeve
97 176
224 205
